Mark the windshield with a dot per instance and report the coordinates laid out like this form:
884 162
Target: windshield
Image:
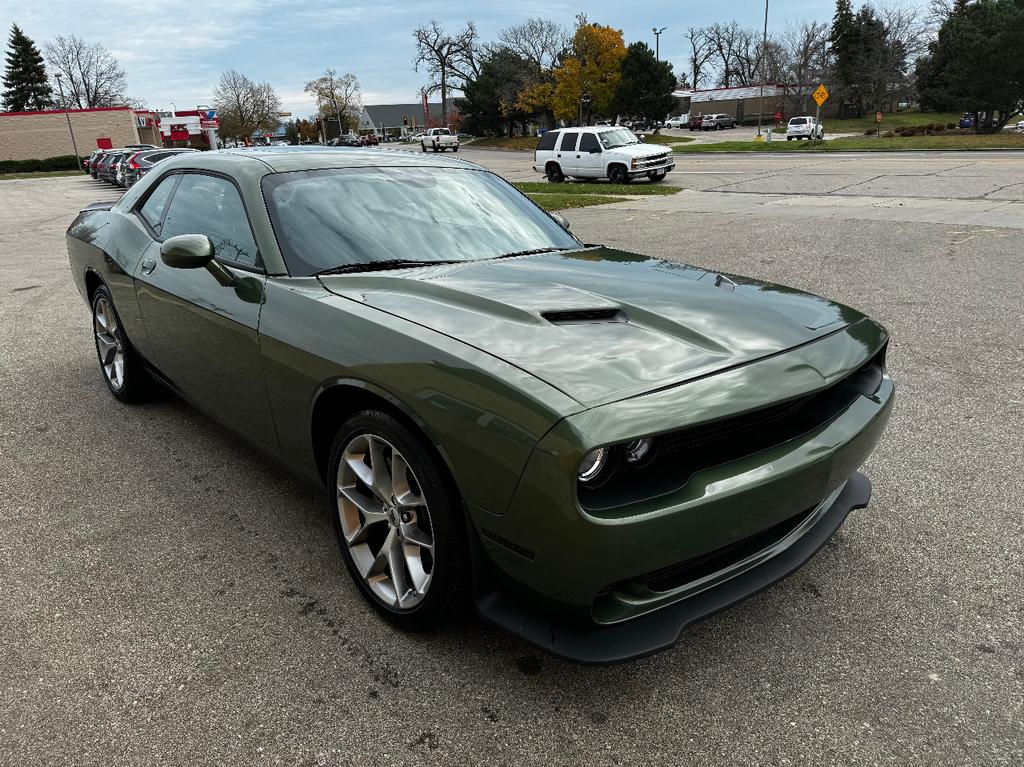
798 121
329 218
618 137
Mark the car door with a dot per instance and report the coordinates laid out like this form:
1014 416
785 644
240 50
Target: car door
204 335
565 154
589 157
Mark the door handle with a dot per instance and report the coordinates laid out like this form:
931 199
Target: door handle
559 154
148 265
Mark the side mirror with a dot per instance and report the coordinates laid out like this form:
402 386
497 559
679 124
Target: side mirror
562 220
194 251
187 251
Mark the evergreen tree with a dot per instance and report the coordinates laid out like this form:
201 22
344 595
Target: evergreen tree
26 88
845 47
646 85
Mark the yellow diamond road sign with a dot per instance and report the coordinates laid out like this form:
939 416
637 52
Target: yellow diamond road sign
820 95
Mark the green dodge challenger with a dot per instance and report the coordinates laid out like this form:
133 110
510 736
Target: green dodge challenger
596 448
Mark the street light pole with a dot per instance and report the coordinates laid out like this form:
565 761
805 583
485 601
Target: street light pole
764 46
657 41
74 144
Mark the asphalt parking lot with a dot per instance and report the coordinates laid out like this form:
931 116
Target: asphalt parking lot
172 597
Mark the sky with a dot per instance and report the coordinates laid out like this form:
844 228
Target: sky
173 53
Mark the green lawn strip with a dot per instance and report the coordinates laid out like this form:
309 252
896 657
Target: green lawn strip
597 188
504 142
650 138
563 200
891 121
41 174
1003 140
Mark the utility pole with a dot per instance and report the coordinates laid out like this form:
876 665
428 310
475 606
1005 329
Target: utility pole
764 46
67 116
657 41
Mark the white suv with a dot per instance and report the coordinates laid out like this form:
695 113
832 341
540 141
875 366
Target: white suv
612 152
804 127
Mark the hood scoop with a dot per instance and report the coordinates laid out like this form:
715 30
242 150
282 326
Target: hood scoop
585 316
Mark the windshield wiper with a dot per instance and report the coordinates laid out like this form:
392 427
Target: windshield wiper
375 266
531 252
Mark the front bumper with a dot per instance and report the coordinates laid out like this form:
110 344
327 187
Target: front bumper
665 167
651 633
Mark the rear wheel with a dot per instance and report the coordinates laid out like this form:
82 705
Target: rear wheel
423 147
398 522
121 368
554 173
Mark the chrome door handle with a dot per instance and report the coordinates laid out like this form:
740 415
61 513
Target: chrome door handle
148 265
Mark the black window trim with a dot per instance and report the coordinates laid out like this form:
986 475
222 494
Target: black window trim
137 210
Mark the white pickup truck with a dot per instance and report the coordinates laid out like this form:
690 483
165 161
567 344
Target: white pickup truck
439 139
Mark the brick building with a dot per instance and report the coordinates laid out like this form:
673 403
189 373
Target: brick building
40 135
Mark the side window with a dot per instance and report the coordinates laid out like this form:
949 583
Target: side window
568 141
153 208
588 143
547 141
210 205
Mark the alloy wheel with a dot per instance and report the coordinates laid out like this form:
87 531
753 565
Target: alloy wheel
385 521
108 343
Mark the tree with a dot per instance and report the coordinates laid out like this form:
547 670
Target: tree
845 49
339 97
90 76
491 100
451 60
807 61
537 41
974 64
245 107
26 88
645 85
591 67
701 51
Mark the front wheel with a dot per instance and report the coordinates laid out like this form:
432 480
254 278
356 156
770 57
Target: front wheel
618 175
455 149
398 522
423 147
657 175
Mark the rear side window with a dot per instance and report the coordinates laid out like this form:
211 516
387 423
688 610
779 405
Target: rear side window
153 208
210 205
798 121
568 141
588 143
547 141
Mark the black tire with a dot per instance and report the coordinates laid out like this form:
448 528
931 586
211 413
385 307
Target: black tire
657 175
789 138
447 594
554 173
617 174
134 382
423 146
435 147
455 149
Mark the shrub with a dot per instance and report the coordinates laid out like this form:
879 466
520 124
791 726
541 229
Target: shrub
62 162
888 134
951 126
909 132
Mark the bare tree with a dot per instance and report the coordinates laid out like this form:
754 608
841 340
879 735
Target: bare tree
701 51
338 96
450 59
806 46
539 41
734 52
245 107
89 74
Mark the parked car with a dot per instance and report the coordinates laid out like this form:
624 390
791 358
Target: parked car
451 369
439 139
717 122
679 121
345 139
967 120
369 139
597 152
695 123
139 164
96 160
108 166
1019 127
804 127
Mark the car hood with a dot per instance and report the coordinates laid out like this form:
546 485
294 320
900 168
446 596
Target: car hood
641 150
599 324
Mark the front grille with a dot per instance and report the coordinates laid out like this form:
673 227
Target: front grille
681 454
651 162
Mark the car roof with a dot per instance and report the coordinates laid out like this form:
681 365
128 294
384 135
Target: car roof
292 158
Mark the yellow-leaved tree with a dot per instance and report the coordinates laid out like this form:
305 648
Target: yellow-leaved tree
592 68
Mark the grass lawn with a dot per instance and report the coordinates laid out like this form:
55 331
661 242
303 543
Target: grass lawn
42 174
504 142
1004 140
891 121
597 188
650 138
563 200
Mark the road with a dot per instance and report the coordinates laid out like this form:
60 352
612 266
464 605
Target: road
172 597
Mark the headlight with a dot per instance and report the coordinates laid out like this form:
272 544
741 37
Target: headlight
593 464
633 163
638 451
